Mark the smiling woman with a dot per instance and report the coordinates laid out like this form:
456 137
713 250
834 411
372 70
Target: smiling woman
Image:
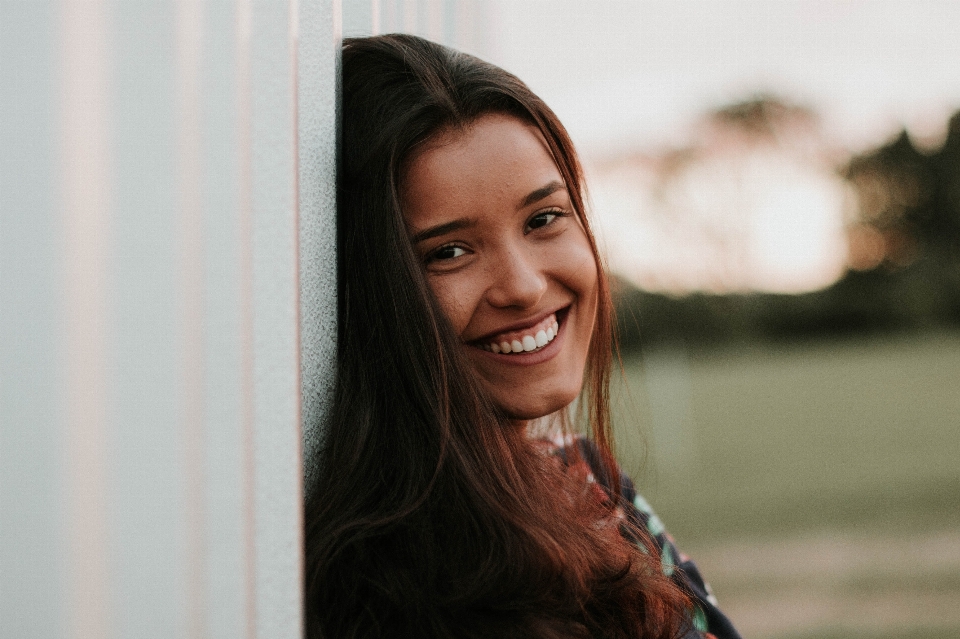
471 304
516 278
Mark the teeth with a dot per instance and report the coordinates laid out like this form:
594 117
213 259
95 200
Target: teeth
526 343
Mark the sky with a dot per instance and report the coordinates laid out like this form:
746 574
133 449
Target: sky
624 73
637 76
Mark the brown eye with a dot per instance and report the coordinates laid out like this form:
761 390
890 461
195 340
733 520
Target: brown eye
542 219
446 253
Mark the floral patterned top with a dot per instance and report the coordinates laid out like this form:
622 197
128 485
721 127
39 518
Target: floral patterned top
707 621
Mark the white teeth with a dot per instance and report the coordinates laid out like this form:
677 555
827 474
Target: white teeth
526 343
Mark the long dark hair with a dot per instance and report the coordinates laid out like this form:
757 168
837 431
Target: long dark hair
432 515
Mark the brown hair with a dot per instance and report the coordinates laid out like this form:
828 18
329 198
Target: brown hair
432 516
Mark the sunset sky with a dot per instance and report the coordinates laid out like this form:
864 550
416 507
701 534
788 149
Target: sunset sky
635 72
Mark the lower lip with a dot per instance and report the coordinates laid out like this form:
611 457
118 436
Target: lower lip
533 357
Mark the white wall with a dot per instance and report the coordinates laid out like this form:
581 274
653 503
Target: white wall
462 24
166 244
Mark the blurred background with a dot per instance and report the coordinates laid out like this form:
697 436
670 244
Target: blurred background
777 187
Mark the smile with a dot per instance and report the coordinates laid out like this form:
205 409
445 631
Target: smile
527 340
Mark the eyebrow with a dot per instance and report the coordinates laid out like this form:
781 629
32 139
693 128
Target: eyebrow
541 193
443 229
466 222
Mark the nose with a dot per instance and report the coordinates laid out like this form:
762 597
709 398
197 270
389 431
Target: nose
517 281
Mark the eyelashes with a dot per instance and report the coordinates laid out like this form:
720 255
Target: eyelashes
545 218
447 254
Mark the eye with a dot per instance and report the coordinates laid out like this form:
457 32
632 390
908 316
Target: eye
544 218
444 253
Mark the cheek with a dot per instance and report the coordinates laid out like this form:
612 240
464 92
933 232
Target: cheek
588 278
456 298
577 270
581 276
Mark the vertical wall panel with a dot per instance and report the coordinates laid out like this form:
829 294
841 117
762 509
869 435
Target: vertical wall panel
275 290
31 398
146 461
319 50
83 182
157 188
225 569
190 368
462 24
360 17
244 64
432 23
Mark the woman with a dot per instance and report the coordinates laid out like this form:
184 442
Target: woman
473 311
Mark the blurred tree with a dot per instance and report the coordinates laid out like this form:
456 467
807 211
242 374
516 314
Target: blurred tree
904 252
910 202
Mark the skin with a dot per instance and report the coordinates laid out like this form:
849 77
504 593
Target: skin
502 249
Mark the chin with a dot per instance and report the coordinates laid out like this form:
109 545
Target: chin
524 393
534 408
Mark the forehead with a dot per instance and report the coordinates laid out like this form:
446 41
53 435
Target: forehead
494 162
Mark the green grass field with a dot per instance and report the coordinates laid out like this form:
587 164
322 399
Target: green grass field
817 485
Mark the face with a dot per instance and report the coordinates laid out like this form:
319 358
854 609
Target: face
507 258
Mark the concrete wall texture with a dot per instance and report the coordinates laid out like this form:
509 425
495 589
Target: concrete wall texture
166 248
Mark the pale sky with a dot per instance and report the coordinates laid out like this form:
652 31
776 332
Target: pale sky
624 73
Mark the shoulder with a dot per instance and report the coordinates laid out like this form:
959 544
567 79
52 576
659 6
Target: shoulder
572 449
579 449
707 619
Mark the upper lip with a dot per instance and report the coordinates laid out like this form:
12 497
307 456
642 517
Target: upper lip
519 325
